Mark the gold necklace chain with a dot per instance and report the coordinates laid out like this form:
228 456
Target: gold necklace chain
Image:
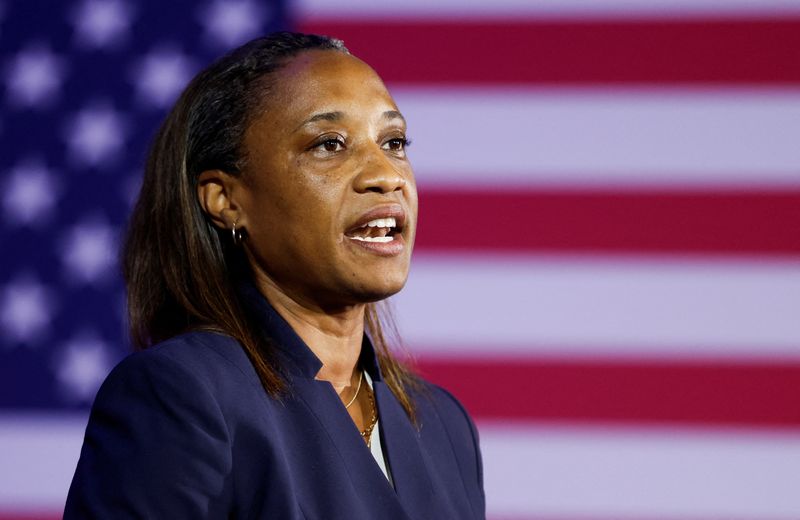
360 380
366 433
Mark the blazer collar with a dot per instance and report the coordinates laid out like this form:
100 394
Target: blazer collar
410 472
296 357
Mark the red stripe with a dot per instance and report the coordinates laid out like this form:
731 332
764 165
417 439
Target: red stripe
530 51
641 392
641 222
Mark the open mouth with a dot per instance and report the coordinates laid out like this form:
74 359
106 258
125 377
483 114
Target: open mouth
380 230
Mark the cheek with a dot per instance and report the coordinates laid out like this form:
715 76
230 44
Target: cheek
283 200
319 199
316 180
413 203
300 222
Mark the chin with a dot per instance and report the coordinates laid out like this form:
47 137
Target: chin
381 289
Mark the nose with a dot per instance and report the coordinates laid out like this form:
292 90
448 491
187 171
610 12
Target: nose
380 174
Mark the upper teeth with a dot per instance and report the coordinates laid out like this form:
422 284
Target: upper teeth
388 222
373 239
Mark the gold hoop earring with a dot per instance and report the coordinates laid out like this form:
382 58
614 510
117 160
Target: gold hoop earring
237 235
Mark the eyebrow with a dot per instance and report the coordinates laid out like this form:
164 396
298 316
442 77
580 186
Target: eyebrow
323 116
393 114
336 116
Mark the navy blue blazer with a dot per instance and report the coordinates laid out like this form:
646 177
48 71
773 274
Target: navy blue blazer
185 430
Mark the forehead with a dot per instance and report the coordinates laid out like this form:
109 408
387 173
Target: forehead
314 79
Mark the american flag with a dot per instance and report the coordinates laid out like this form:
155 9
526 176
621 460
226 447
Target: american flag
607 268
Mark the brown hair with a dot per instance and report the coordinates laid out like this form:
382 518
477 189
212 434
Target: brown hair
181 271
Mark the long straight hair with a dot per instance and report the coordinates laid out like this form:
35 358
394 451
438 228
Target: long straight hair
180 270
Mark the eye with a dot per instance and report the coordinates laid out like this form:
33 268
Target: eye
397 144
333 144
329 143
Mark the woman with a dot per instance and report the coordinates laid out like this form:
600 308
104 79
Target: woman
278 205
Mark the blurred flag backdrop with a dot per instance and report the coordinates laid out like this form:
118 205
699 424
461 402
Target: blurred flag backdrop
607 268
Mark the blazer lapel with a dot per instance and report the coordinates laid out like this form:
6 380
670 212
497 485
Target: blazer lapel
406 463
365 475
409 472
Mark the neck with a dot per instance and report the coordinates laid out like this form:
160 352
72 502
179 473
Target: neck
334 337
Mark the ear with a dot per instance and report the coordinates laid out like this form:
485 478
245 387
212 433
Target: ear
215 190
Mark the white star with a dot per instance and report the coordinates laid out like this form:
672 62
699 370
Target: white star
102 23
30 194
89 252
81 366
33 77
26 307
95 135
161 75
232 22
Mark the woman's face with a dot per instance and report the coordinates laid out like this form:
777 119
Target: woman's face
328 197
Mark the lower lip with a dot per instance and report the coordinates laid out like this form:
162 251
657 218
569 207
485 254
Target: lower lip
393 248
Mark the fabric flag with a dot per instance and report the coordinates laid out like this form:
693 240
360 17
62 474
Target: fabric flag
607 270
83 87
607 267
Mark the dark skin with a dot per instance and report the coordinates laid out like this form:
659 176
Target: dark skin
328 149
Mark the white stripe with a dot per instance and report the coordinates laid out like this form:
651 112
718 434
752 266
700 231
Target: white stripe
636 473
578 472
351 10
538 305
38 454
601 137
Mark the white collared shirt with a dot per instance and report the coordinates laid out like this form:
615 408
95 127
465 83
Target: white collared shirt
375 445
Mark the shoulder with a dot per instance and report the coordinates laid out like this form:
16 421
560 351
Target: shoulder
201 350
439 402
441 413
435 400
160 413
198 355
446 404
196 365
194 371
